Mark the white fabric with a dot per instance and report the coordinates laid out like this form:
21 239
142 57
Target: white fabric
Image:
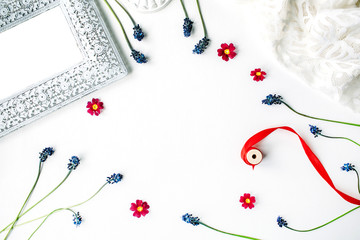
320 40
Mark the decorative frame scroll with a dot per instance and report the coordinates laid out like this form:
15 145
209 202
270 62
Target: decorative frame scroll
101 63
149 6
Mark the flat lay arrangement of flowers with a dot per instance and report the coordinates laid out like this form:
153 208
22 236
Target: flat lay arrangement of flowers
207 137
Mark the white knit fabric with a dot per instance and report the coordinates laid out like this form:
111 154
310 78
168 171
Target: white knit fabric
319 40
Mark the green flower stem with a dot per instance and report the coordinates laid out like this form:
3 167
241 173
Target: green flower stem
67 175
56 210
183 7
322 119
312 229
122 27
81 203
339 138
357 174
232 234
202 19
132 20
27 199
90 197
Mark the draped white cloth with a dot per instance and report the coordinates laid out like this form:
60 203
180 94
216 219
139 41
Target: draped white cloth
320 41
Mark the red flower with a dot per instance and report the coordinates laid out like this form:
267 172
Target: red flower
95 106
226 51
140 208
258 74
247 200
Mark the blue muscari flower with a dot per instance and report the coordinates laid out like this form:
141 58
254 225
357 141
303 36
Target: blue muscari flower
188 24
315 130
188 218
138 56
272 99
348 167
115 178
201 46
74 162
46 153
281 222
77 219
138 33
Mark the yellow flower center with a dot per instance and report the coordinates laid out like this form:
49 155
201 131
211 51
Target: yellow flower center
227 51
258 74
139 209
95 107
247 201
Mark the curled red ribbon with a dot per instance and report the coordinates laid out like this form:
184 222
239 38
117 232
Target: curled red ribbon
312 157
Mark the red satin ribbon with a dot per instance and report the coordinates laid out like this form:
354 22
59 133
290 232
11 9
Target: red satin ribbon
312 157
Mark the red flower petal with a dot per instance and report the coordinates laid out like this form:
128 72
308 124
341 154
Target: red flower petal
231 47
133 207
225 57
232 55
137 214
252 199
144 212
90 111
224 46
139 202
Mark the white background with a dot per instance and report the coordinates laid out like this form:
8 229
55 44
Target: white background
174 127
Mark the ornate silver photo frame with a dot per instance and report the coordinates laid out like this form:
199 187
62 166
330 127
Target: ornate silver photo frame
100 66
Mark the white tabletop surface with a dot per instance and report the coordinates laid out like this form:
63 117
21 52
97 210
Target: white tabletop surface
174 127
